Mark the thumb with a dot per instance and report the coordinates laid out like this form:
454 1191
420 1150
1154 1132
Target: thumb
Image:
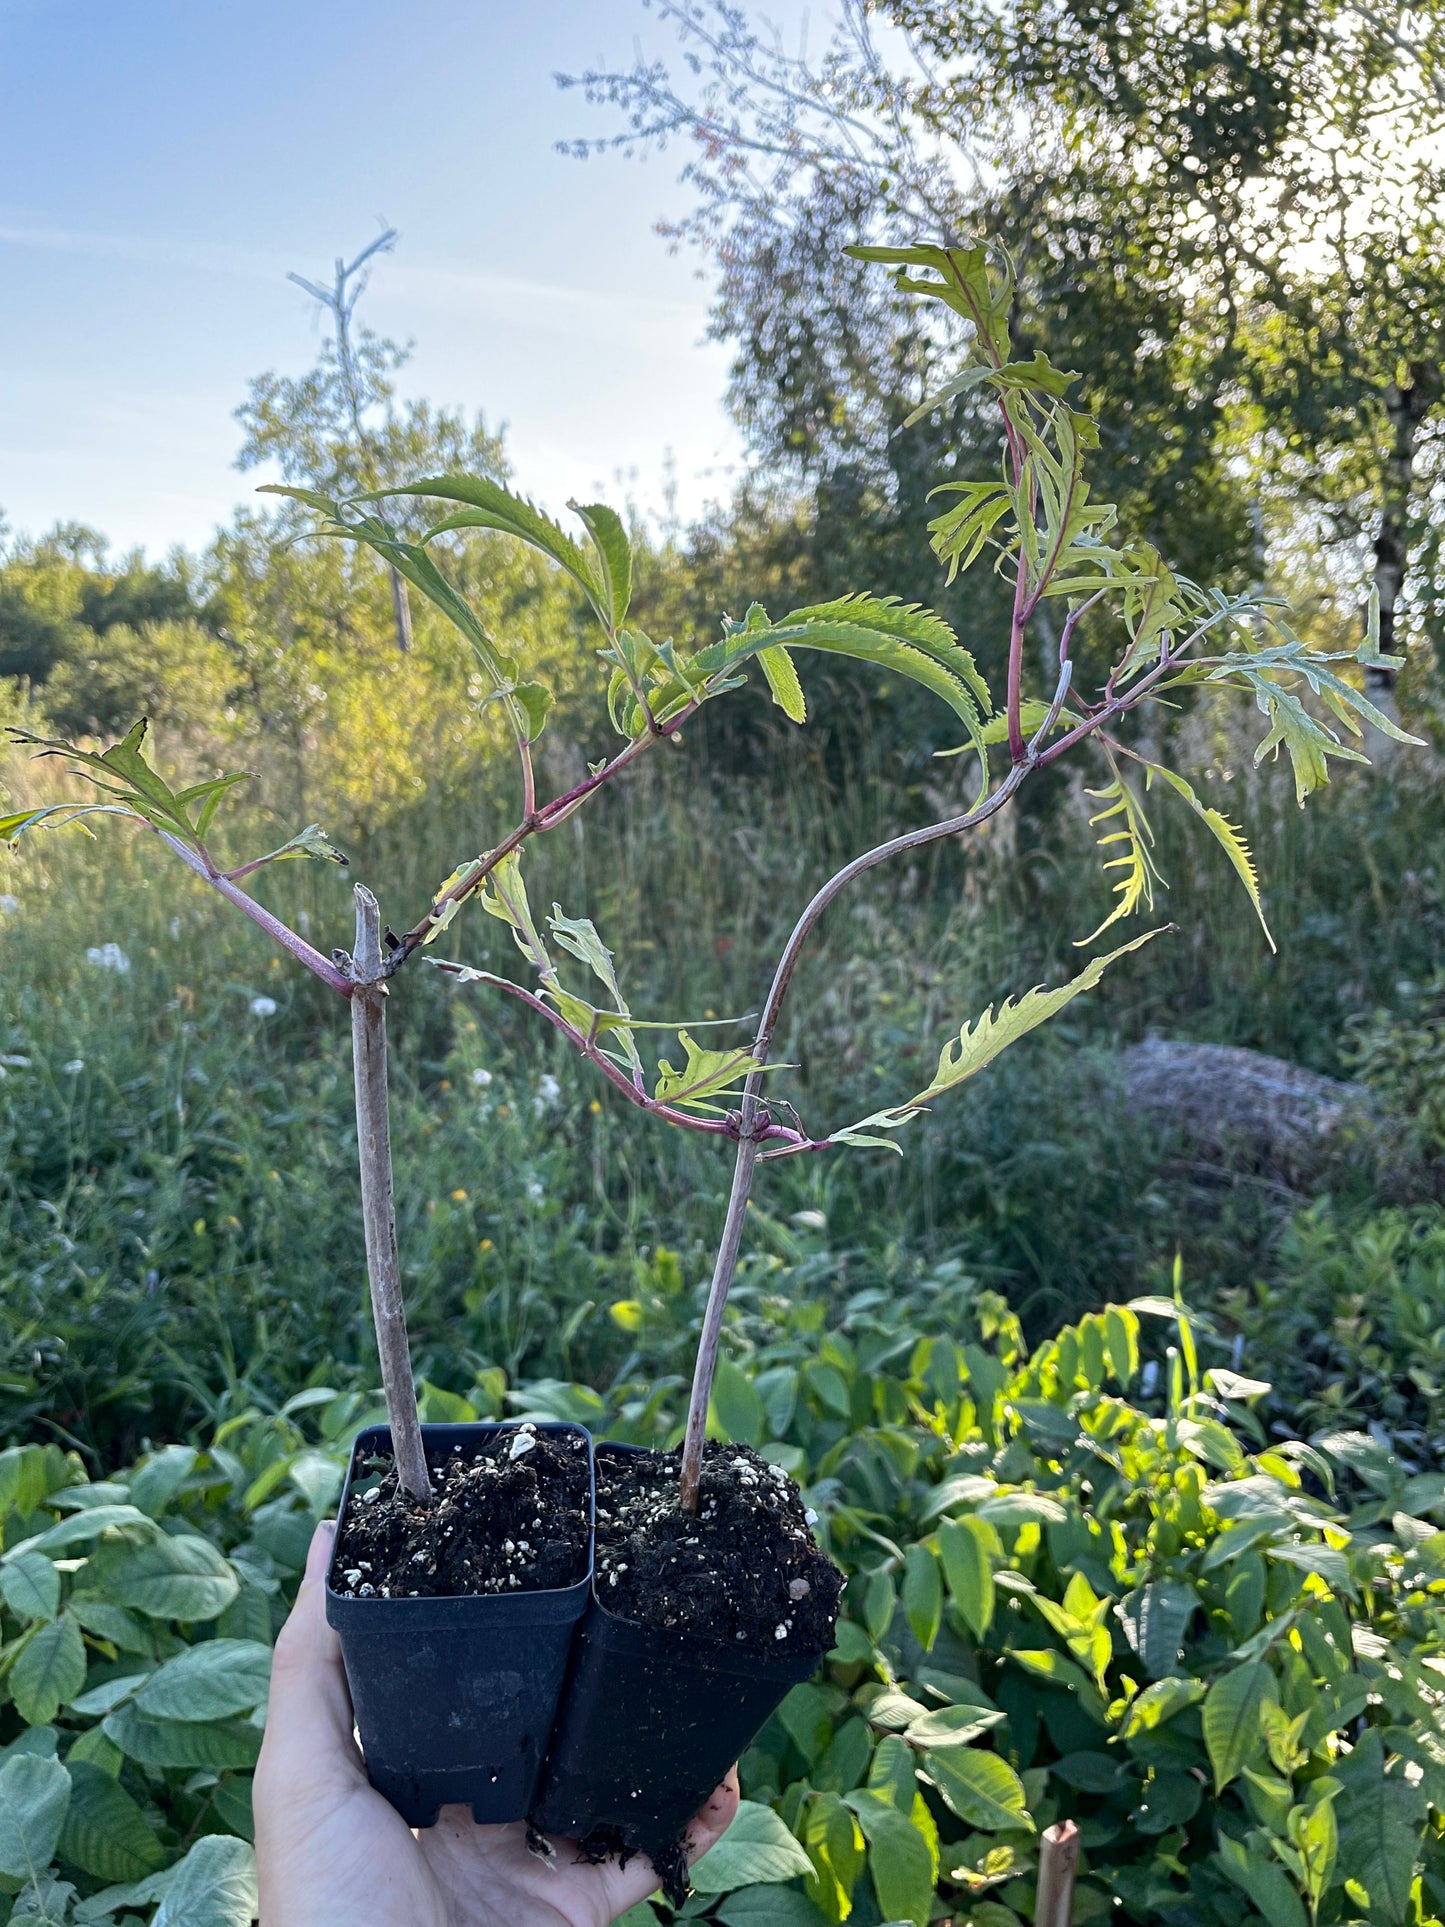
308 1716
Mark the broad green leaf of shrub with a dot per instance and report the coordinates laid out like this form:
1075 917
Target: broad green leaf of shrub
982 1788
34 1796
922 1595
30 1586
75 1529
105 1832
1232 1728
1380 1821
175 1578
736 1405
49 1670
770 1907
214 1886
900 1859
217 1744
969 1572
209 1681
951 1726
1263 1883
1155 1619
756 1849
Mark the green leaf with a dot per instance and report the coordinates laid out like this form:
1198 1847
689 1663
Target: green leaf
49 1671
1380 1823
1159 1703
1155 1618
900 1859
777 666
950 1726
535 700
1228 835
30 1586
175 1578
106 1621
963 1548
922 1595
899 637
1121 1338
706 1074
24 1480
614 555
982 1788
770 1907
209 1681
159 1478
214 1886
105 1833
34 1796
89 1523
1232 1730
490 506
1266 1886
313 843
978 1044
736 1405
756 1849
1136 885
189 1743
55 816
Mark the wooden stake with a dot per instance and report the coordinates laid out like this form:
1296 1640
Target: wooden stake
1058 1861
378 1208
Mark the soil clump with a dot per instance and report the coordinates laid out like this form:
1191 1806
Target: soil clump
745 1571
505 1516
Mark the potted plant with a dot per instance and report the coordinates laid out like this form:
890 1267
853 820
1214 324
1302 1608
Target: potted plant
702 1595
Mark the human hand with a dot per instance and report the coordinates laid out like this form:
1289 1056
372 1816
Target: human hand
331 1852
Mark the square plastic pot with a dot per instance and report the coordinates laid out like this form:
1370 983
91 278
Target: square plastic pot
455 1698
650 1721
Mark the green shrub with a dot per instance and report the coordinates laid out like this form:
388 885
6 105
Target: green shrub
1350 1323
1220 1657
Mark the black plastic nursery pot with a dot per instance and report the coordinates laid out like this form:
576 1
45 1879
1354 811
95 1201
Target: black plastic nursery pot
455 1697
650 1722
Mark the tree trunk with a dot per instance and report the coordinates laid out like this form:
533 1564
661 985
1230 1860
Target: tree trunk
378 1209
1406 408
401 609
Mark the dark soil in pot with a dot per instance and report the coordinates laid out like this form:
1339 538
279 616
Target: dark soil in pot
457 1618
698 1629
745 1570
507 1515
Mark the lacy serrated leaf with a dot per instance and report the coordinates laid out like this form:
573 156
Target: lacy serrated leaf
614 554
777 666
1136 885
57 816
978 1044
504 896
1228 835
957 537
490 506
706 1074
312 842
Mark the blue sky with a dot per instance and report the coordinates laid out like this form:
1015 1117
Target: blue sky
163 163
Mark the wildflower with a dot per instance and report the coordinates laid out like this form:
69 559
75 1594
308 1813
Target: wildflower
8 905
548 1092
481 1079
459 1197
485 1245
74 1067
263 1006
595 1108
108 956
16 1063
534 1190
